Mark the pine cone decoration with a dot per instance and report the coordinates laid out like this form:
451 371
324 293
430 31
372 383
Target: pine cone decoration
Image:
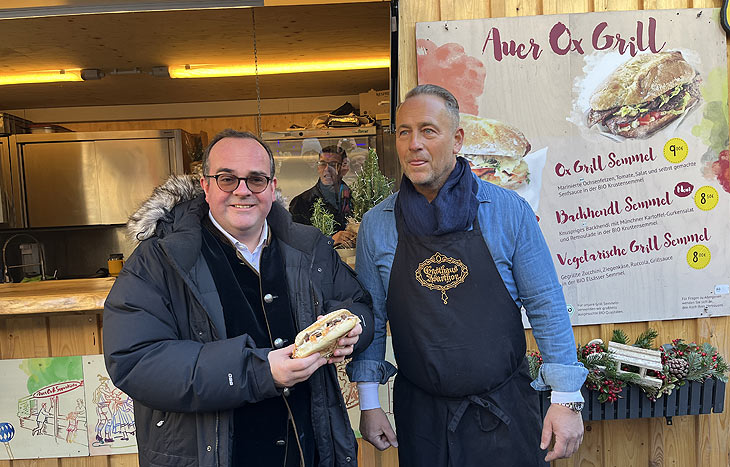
678 367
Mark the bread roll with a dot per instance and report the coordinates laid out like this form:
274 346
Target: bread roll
641 79
321 336
487 137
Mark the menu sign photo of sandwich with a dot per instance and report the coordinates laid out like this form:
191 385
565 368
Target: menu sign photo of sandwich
614 128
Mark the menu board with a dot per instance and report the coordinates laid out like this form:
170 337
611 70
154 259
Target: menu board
614 127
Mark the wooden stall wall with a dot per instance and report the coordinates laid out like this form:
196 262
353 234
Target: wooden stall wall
702 440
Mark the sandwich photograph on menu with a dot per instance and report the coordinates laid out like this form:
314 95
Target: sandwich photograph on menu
644 95
495 151
499 153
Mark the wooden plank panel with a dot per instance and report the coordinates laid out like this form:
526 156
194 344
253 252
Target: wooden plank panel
554 7
713 431
706 3
502 8
585 334
657 455
35 463
677 437
530 340
616 5
666 4
26 337
124 460
592 450
387 458
410 13
365 453
626 442
91 461
4 339
458 9
72 334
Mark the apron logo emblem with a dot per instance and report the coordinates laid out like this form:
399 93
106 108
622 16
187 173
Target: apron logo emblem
441 273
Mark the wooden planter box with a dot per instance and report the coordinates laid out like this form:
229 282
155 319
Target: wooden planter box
693 398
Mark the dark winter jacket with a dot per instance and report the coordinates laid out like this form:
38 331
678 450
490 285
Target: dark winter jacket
165 338
301 206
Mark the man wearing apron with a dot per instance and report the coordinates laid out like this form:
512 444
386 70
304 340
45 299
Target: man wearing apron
449 260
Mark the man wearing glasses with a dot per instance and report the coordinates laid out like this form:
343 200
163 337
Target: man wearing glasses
200 324
331 189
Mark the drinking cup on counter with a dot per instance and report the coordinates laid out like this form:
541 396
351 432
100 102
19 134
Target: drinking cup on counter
115 263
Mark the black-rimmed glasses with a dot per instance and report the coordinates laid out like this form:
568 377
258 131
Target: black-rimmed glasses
333 164
229 183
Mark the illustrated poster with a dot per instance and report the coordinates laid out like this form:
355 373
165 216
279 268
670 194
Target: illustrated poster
111 412
62 407
614 127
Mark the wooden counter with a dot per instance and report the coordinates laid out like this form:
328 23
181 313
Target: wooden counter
54 296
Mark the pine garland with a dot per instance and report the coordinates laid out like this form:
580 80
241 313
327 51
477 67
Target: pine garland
620 336
646 339
370 187
703 362
322 218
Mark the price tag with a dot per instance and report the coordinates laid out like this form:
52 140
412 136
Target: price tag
698 256
675 150
706 198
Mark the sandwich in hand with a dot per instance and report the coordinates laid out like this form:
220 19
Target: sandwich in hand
495 151
645 94
322 335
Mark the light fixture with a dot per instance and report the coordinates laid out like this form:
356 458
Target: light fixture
212 71
45 76
88 74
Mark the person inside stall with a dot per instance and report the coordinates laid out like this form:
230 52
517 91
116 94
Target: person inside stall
449 261
331 189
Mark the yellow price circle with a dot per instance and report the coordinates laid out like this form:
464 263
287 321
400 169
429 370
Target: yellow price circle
706 198
698 256
675 150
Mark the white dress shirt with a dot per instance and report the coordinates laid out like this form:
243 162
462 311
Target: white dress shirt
252 258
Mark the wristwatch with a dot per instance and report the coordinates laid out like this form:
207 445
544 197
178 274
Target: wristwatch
574 406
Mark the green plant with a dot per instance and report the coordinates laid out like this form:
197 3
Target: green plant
644 341
322 218
370 187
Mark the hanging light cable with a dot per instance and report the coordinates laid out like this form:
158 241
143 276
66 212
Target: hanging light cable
256 70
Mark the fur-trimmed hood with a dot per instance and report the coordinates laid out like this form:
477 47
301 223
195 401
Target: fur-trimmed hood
177 189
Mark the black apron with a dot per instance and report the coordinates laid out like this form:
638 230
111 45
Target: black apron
462 396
